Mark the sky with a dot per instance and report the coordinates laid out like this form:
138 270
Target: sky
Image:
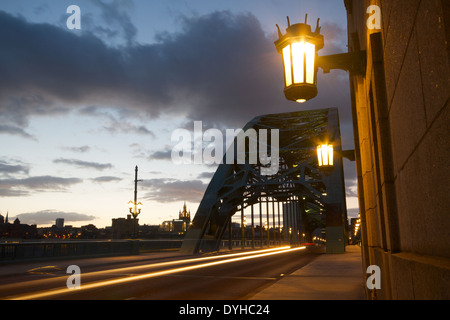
80 108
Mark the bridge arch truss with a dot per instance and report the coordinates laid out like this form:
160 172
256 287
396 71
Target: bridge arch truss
294 200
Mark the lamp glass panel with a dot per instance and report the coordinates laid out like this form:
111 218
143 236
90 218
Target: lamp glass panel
325 155
287 65
298 56
330 155
319 156
310 54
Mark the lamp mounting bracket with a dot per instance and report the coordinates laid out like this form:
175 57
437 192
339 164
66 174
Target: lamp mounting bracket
353 62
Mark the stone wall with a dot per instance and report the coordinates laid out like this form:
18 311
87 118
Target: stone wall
402 129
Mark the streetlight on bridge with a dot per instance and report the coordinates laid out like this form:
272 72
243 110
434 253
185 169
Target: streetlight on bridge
325 156
299 47
134 206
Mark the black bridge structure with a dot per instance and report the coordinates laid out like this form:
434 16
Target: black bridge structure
286 199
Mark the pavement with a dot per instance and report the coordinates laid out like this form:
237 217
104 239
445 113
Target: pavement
328 277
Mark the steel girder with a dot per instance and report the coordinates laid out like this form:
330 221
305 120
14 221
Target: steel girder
236 186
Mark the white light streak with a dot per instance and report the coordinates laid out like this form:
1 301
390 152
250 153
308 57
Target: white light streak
226 259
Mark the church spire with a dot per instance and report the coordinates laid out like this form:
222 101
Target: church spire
185 213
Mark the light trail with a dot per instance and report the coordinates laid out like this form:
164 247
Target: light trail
137 268
94 285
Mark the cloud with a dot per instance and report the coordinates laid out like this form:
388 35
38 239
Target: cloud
49 216
206 175
172 190
221 68
6 168
39 183
106 179
13 193
353 212
114 16
351 188
82 149
127 127
84 164
13 130
161 155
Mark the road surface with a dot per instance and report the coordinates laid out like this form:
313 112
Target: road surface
233 276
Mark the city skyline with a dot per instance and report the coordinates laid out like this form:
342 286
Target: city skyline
79 109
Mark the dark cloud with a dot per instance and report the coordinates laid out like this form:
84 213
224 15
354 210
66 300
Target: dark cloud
116 23
170 190
221 69
50 216
84 164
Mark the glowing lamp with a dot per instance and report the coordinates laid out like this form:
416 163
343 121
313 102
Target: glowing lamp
325 156
298 48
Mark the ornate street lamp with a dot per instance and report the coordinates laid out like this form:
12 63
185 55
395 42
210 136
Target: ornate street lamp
299 47
325 157
326 154
134 206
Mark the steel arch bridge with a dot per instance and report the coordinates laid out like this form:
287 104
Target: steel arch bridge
308 198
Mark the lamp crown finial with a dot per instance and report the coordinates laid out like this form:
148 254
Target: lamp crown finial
318 27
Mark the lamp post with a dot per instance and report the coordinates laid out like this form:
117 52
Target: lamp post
243 227
266 228
299 47
134 206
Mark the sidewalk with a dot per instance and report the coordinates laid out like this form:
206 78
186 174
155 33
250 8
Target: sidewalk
329 277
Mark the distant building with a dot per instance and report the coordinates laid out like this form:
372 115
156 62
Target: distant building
179 225
59 223
124 228
16 230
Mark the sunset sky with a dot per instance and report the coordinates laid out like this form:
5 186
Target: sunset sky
79 109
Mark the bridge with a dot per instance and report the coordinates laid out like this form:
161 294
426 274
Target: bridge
284 206
290 202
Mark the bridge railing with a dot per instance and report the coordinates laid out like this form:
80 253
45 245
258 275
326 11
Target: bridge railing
225 244
20 251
